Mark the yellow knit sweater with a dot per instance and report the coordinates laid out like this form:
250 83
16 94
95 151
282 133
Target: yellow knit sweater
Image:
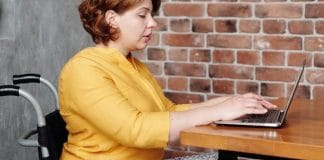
113 107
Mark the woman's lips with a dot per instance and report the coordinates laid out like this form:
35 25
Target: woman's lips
148 37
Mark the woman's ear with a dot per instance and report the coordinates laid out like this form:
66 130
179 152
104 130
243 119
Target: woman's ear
111 18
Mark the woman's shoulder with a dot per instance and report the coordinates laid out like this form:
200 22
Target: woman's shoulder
87 61
94 55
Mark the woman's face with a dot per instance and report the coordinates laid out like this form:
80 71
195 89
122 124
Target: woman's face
136 25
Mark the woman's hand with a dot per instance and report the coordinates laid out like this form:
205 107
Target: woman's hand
222 108
240 105
210 102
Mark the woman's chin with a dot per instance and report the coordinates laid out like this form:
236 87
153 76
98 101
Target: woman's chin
141 46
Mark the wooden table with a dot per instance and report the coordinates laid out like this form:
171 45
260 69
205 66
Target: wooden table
301 137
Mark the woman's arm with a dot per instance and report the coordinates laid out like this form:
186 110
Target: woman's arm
210 102
216 109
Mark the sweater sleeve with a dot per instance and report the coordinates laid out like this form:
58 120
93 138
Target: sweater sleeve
169 105
94 96
175 107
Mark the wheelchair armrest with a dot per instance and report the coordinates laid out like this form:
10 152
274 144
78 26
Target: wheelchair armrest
26 78
24 141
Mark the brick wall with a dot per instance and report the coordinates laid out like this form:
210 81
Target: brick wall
208 48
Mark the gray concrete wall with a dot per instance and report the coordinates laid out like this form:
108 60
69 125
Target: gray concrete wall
36 36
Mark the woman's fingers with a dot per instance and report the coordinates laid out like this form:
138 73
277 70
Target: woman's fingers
251 110
265 103
251 102
254 106
241 105
252 95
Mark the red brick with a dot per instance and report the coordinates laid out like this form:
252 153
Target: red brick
318 92
184 98
223 86
156 54
223 56
299 47
221 0
278 42
155 68
276 74
315 76
250 0
213 96
247 87
314 43
278 11
273 90
180 25
314 10
162 24
248 57
229 41
229 10
198 70
202 25
275 0
296 59
183 40
178 54
249 26
235 72
274 26
301 92
161 81
200 55
139 55
200 85
303 0
178 83
300 27
319 26
183 9
225 26
155 40
273 58
319 60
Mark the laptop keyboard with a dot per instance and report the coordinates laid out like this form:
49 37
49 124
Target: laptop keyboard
269 117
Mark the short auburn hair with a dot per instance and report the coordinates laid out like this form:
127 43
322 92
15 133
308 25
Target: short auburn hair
92 14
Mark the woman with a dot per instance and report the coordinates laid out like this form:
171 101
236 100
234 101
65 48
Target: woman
113 107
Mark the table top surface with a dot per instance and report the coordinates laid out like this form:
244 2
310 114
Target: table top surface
301 136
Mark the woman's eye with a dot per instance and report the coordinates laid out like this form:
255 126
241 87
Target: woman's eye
142 16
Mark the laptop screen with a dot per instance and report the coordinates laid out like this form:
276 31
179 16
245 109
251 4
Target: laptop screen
291 97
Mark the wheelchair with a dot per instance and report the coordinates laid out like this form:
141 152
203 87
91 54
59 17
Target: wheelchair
50 131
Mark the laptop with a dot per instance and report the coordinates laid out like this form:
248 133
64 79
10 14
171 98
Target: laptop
273 118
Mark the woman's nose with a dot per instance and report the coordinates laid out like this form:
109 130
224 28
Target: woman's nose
152 23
